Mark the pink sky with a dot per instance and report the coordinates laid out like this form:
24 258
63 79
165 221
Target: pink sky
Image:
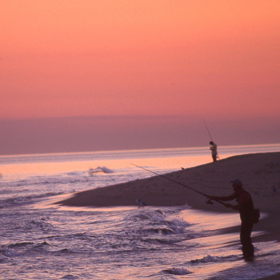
215 59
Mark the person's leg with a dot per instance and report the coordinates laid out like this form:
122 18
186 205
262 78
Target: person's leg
246 242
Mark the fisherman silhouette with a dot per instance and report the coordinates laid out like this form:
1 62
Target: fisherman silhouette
245 207
214 152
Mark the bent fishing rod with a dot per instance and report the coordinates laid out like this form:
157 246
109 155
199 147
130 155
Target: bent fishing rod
181 184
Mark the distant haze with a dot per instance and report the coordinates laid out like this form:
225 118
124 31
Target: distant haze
85 134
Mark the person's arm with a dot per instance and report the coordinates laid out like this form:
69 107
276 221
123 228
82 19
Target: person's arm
243 202
223 198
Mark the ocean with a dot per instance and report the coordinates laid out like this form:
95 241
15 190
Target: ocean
40 240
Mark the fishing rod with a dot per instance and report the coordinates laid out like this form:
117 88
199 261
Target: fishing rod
208 130
181 184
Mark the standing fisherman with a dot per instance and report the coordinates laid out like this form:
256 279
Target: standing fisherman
246 209
213 148
248 214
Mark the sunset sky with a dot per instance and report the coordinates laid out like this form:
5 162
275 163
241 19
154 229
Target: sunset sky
102 75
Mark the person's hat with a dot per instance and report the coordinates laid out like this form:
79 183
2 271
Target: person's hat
211 143
237 182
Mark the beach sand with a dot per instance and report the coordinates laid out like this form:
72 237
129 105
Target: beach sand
260 174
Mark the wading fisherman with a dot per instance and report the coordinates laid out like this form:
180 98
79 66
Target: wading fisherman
213 148
246 208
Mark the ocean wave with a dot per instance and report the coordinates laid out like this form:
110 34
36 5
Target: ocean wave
177 271
160 240
42 225
178 225
23 248
4 259
168 227
147 215
99 169
20 244
34 249
69 277
24 200
59 178
207 259
164 231
47 180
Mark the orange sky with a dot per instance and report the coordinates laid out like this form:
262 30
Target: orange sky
209 58
71 58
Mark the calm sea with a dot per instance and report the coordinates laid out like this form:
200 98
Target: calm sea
51 242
